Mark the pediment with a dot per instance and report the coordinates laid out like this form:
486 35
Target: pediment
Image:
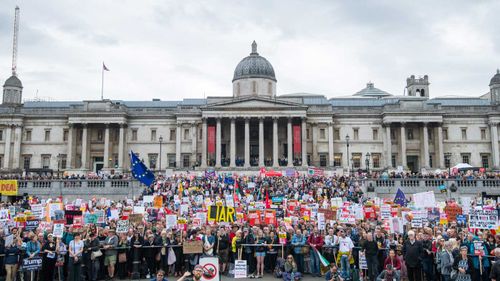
254 103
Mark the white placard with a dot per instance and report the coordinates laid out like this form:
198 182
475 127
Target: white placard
58 230
38 211
148 198
122 226
321 221
210 269
139 209
171 221
240 269
424 199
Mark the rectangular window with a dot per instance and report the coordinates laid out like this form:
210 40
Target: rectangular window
393 135
322 134
172 135
65 134
1 160
375 134
465 158
393 160
115 160
152 161
171 160
431 158
26 162
309 159
186 134
376 160
483 133
79 135
356 160
307 134
337 159
153 135
445 133
185 160
356 134
47 135
116 135
322 160
430 134
485 161
1 135
336 134
464 134
100 135
62 162
200 135
447 161
409 133
45 161
134 134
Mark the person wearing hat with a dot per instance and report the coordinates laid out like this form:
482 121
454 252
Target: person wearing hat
110 244
389 274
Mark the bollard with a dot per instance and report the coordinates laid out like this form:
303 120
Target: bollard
135 264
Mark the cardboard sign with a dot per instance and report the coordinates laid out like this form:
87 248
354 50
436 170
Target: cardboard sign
452 212
328 214
135 218
58 230
32 264
221 214
192 247
240 269
122 226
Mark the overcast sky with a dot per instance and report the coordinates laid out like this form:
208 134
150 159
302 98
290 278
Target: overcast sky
189 49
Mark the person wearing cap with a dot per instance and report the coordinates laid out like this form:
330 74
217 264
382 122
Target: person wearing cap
196 276
389 274
463 266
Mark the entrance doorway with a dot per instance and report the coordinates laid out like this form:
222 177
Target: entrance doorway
98 164
412 162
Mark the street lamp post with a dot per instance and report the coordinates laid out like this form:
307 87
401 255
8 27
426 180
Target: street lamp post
367 163
159 164
348 164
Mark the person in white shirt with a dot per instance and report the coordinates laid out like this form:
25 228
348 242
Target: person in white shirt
344 256
331 241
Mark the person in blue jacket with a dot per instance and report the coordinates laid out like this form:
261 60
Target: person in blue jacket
298 243
485 262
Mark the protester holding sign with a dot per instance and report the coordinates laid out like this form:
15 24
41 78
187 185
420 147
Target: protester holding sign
11 260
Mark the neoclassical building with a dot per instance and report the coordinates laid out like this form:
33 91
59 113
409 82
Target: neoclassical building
254 127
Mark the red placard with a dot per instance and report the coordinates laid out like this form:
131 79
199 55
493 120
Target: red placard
270 217
254 217
296 139
211 139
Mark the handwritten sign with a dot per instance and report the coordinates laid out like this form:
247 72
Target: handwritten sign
122 226
483 219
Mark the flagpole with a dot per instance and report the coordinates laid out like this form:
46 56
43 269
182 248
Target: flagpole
102 82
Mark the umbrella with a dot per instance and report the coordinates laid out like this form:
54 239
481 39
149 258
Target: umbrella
462 166
272 173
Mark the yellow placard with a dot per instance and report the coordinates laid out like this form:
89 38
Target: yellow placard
8 187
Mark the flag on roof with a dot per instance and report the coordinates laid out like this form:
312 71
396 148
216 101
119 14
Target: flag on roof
140 171
400 198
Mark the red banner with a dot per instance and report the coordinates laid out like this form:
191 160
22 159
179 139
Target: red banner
254 217
211 139
296 139
270 217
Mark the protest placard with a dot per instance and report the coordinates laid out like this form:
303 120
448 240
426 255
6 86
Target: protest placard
158 201
32 225
135 218
58 230
483 219
385 211
32 264
270 217
240 269
424 199
122 226
221 214
321 221
452 211
192 247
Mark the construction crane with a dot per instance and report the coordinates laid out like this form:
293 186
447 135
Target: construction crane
14 43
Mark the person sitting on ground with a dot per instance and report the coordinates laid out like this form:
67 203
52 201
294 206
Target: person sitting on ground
333 274
160 276
291 273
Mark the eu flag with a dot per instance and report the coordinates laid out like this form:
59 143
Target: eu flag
140 171
400 198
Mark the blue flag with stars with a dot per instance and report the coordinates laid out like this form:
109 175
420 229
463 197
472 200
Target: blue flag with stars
140 171
400 198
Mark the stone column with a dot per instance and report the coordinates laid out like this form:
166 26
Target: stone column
84 146
247 142
233 143
425 146
106 147
261 142
304 143
16 155
315 144
403 145
121 146
6 154
494 144
69 157
388 145
204 143
194 142
440 154
178 145
275 142
331 152
290 143
218 154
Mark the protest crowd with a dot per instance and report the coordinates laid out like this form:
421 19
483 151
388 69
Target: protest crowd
281 226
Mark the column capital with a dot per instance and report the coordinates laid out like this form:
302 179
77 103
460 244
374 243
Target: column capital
402 124
84 125
425 124
123 125
178 124
493 123
275 118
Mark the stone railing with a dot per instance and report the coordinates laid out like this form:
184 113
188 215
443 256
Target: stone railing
454 187
85 189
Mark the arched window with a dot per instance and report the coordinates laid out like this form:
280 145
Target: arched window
417 93
254 87
422 93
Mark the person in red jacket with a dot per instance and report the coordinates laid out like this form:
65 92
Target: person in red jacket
315 240
393 260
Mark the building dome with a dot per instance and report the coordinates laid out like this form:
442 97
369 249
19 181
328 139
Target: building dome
254 66
496 78
13 81
371 91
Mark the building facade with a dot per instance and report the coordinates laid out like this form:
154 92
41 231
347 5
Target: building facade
254 127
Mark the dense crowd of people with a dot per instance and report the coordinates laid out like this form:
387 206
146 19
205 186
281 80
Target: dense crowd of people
297 243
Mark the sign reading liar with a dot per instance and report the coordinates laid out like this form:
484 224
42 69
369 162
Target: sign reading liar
483 219
221 214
